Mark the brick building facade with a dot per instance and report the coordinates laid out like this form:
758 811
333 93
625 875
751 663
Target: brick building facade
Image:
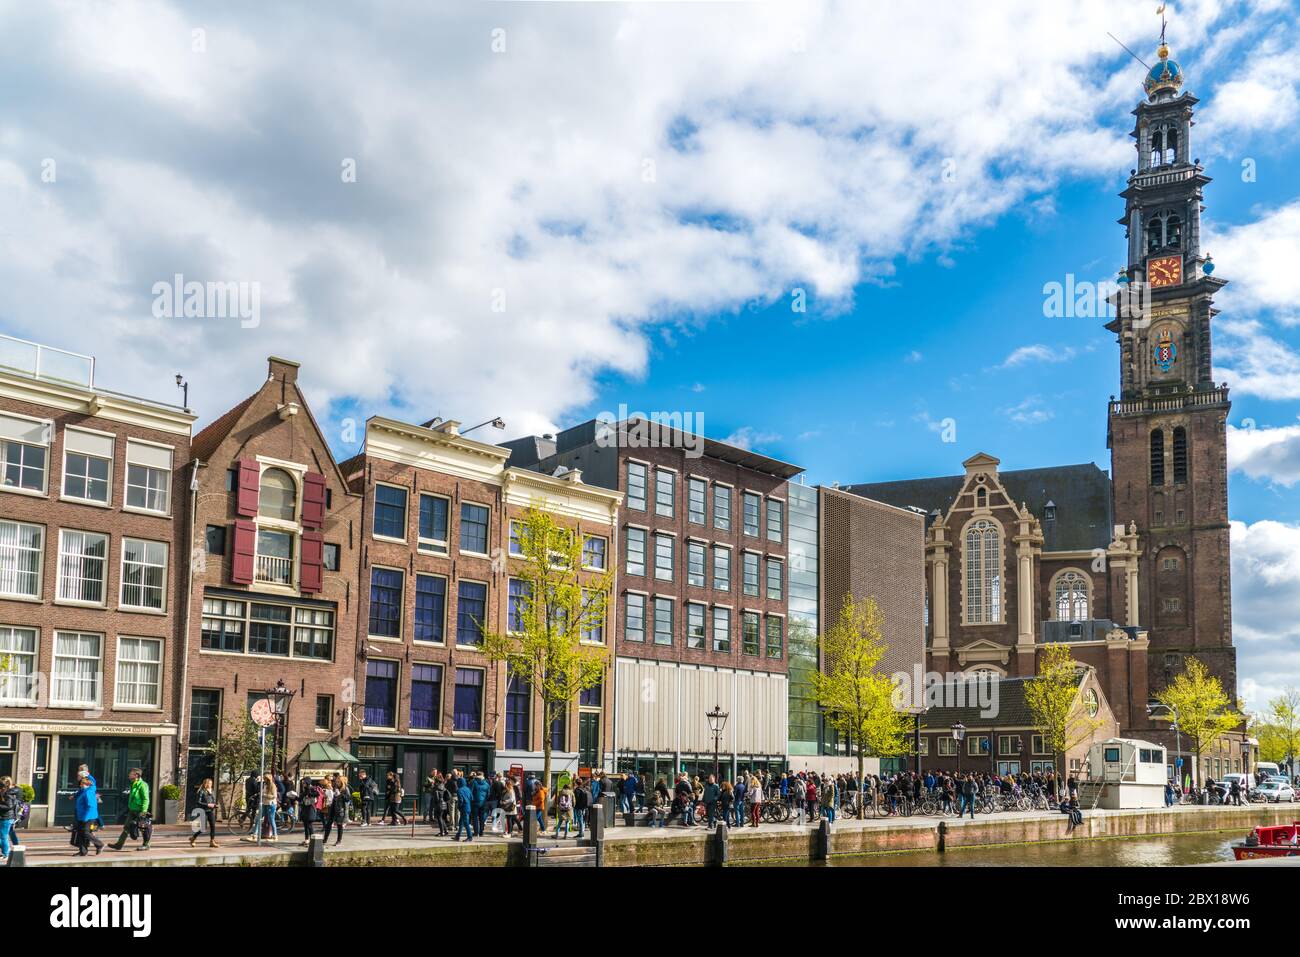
92 504
274 608
702 595
438 567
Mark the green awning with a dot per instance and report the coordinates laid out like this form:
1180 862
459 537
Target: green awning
322 752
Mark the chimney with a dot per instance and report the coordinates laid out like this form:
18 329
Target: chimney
283 369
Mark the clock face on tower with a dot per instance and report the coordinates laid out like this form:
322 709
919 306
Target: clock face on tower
1165 271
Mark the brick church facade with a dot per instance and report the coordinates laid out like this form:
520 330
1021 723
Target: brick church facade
1131 569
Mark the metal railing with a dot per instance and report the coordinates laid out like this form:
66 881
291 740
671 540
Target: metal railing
273 570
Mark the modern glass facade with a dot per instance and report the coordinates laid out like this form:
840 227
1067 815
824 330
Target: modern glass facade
801 639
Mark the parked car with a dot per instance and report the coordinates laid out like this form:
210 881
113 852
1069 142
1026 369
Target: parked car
1276 790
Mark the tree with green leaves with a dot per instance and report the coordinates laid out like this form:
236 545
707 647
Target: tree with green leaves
235 751
543 643
1204 711
1056 705
857 699
1284 718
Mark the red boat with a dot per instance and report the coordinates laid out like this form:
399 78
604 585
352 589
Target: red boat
1280 841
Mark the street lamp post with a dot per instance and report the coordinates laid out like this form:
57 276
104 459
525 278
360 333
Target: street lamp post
280 697
1152 707
958 734
717 722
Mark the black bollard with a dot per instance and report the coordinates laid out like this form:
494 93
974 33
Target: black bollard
17 855
823 840
720 845
316 851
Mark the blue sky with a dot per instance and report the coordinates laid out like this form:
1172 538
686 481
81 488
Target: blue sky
541 211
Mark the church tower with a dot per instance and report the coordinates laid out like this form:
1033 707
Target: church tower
1167 428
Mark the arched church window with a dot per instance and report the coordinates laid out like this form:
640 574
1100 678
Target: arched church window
983 555
1157 457
1171 146
981 498
1180 456
1071 596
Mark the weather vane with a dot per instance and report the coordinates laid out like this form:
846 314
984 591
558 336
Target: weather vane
1163 23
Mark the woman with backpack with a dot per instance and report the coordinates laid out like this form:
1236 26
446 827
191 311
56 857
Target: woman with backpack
87 809
564 810
310 811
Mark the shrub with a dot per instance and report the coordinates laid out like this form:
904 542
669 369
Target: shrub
170 792
29 793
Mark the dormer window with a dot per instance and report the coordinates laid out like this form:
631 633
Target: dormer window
278 539
277 496
1049 512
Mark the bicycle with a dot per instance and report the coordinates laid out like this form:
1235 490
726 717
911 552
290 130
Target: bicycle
240 822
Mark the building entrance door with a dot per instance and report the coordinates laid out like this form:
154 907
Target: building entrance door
109 760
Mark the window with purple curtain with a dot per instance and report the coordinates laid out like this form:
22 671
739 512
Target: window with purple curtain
469 699
518 699
381 693
426 693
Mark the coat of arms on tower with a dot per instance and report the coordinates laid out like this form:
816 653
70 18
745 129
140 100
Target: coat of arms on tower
1165 351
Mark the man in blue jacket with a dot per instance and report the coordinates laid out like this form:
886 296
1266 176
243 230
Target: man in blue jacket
479 790
629 792
463 801
87 808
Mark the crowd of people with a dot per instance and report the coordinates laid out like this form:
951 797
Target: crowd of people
468 805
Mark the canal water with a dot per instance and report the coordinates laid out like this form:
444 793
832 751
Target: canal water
1164 851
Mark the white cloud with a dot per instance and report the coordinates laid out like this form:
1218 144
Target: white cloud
749 438
1266 606
1265 453
1258 361
1261 96
1038 352
913 356
1029 412
614 168
1259 257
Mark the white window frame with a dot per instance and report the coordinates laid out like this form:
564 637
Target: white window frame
167 492
665 510
118 703
103 582
729 496
107 500
406 512
121 592
433 546
18 550
705 624
719 611
12 676
604 552
47 434
487 531
57 702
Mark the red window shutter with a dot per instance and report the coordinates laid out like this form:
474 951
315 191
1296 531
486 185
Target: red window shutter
313 500
250 478
241 567
309 575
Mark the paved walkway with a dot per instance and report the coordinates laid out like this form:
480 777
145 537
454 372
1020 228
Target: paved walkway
170 844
